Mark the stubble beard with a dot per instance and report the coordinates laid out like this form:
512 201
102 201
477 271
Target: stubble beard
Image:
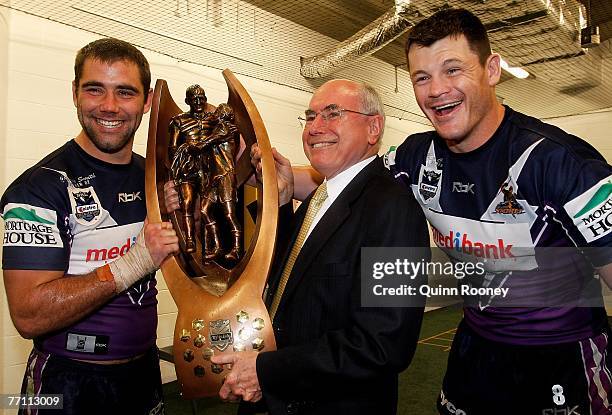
108 147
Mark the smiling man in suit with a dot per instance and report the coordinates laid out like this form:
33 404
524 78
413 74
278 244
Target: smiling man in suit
335 356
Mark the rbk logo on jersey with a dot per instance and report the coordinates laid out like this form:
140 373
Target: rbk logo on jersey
30 226
461 242
129 197
459 187
592 210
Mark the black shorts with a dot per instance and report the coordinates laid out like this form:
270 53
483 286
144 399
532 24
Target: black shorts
487 377
88 388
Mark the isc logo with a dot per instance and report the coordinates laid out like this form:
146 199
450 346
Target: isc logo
129 197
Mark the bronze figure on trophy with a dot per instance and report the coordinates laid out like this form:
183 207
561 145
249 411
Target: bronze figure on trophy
202 150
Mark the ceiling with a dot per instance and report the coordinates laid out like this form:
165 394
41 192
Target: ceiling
343 19
265 39
601 14
580 76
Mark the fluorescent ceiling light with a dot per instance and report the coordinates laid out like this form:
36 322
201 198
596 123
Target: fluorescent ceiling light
514 70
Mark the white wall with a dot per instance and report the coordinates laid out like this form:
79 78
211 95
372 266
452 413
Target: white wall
596 128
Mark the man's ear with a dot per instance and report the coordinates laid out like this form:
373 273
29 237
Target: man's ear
493 68
148 101
74 93
375 129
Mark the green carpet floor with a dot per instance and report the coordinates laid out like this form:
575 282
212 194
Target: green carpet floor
419 384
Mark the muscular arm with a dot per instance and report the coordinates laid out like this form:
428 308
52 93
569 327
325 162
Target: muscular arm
43 301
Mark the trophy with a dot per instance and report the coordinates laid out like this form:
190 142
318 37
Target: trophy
217 284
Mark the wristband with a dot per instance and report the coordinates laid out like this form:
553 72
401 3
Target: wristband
104 273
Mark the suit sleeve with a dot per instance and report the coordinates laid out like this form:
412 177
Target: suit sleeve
374 341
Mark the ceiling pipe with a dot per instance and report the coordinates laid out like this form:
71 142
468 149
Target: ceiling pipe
520 31
367 41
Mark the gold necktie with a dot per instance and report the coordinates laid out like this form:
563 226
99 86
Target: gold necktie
313 207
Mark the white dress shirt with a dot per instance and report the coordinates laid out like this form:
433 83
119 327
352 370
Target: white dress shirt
335 186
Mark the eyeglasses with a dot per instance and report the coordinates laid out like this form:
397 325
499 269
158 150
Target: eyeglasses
330 113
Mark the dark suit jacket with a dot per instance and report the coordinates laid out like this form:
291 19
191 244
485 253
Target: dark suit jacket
335 357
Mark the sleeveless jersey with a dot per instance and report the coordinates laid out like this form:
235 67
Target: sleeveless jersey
74 213
530 186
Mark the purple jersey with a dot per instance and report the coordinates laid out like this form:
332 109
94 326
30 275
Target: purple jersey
530 186
74 213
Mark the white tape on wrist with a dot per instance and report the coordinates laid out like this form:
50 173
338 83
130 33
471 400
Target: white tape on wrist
134 265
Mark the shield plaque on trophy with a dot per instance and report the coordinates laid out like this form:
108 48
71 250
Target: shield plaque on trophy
216 280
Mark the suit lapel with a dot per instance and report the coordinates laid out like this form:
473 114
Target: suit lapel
333 219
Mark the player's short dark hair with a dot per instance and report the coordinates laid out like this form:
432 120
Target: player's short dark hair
451 22
110 50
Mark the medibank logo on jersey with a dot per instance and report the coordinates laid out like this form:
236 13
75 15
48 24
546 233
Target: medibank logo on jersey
114 252
461 242
592 211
